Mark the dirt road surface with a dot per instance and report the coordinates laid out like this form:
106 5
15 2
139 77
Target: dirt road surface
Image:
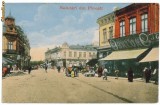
54 87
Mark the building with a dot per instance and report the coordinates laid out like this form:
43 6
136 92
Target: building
137 18
15 44
136 36
106 32
71 55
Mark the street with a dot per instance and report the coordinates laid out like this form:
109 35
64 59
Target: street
54 87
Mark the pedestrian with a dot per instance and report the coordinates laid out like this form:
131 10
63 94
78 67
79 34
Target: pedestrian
8 69
105 72
130 75
4 72
58 68
147 75
75 71
29 69
116 73
72 73
144 70
80 67
46 67
155 75
100 70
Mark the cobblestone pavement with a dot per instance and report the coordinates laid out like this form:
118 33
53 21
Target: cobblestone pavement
54 87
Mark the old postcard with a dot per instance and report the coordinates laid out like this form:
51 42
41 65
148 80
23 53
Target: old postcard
56 52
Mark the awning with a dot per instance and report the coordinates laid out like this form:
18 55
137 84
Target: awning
126 54
151 56
5 60
92 62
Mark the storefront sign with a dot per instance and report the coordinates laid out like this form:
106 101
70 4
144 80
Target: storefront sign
142 40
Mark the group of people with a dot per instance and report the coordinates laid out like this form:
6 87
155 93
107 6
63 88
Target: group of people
6 70
147 74
104 72
71 71
130 74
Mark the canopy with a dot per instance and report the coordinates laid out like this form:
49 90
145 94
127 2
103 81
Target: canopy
5 60
92 62
125 54
151 56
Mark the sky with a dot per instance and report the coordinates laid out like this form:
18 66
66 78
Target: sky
48 24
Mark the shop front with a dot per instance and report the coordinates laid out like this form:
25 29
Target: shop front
134 51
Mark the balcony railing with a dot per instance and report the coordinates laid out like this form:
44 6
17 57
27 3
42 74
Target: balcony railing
11 51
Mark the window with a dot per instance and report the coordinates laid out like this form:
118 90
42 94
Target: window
64 54
132 22
144 22
122 28
70 54
75 54
84 54
90 54
104 35
80 54
94 54
111 32
10 45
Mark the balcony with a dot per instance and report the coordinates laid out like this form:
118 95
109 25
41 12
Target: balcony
11 51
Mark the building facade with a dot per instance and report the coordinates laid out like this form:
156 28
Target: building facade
137 18
136 35
15 44
71 55
106 32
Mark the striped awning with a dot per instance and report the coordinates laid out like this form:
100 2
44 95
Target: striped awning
5 60
124 54
153 55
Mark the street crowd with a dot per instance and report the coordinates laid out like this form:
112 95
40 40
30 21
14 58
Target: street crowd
99 71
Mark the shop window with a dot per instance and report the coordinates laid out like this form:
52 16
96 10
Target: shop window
144 22
122 28
132 22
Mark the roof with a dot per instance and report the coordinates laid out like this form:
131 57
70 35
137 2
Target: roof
85 48
112 13
130 7
10 16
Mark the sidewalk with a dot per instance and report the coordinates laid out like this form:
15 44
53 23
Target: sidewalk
137 91
94 87
16 73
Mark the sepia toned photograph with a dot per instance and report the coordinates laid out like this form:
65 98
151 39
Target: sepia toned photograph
58 52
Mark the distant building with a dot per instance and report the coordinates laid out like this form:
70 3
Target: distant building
71 55
15 44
